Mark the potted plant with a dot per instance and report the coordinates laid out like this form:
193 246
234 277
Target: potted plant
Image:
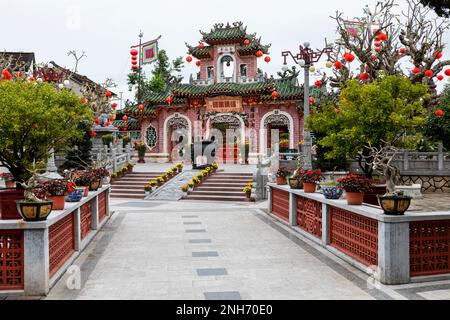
141 148
310 178
282 173
56 190
393 202
148 189
130 167
160 181
113 177
179 167
153 183
9 180
103 175
331 191
32 208
294 180
185 188
354 185
248 190
214 166
191 185
83 179
108 139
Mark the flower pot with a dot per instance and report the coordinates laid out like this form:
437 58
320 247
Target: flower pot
75 196
10 184
295 183
94 185
394 205
141 160
281 181
355 198
371 196
332 193
309 187
85 190
34 211
58 202
8 207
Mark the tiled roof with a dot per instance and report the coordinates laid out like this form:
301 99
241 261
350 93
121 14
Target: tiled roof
199 53
21 61
132 124
233 89
221 33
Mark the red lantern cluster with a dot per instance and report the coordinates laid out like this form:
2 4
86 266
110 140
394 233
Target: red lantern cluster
189 59
134 63
381 36
349 57
439 113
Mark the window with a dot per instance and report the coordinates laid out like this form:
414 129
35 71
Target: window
152 137
243 70
227 63
210 72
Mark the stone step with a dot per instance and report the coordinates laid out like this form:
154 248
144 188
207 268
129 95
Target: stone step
134 180
219 189
234 174
126 189
216 193
241 181
215 198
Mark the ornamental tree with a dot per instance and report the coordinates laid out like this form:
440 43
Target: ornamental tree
385 112
35 117
437 127
441 7
385 42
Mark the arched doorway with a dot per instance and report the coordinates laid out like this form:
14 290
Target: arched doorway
177 136
226 131
281 121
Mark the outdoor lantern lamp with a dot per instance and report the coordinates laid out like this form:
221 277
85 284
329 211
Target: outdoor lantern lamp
66 83
305 59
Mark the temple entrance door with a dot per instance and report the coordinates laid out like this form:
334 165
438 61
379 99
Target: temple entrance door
278 122
177 136
228 150
283 136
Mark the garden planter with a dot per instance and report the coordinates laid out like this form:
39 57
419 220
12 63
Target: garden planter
332 193
355 198
295 184
75 196
394 205
34 211
10 184
370 196
94 185
58 202
281 181
309 187
8 207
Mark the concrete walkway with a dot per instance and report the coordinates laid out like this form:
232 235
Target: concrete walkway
174 250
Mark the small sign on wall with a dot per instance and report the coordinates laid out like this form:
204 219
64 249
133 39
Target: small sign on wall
224 104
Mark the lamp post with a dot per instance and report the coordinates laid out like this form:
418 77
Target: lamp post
305 59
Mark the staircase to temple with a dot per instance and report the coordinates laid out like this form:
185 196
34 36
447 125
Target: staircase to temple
132 185
222 187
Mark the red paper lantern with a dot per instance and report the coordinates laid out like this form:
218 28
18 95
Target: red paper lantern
134 62
108 94
246 42
124 128
440 77
112 118
134 67
416 70
97 121
382 36
364 76
259 53
267 59
312 100
438 55
338 65
318 83
169 100
125 118
198 63
107 124
402 50
189 59
439 113
134 52
275 95
134 58
447 72
114 105
93 134
201 46
349 57
141 107
429 73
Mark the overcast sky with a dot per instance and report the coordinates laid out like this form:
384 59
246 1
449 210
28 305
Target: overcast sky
107 29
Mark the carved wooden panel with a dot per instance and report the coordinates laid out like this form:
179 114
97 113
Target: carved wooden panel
280 204
11 260
354 235
61 241
429 246
309 216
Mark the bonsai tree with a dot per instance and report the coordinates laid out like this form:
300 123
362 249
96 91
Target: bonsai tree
386 112
35 117
382 162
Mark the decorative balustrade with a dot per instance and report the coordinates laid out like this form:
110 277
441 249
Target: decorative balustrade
393 249
117 157
34 255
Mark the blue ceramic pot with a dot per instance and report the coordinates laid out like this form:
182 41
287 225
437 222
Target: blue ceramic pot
75 196
332 193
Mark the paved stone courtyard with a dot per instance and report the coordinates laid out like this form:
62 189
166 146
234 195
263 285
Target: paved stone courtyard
172 250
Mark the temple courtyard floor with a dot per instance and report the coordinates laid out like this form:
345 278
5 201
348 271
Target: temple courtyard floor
205 250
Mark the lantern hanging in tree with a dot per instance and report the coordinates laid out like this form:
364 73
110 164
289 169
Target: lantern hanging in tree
93 134
312 100
338 65
349 57
439 113
108 94
97 121
364 76
402 50
440 77
107 123
133 58
429 73
114 105
112 118
447 72
438 55
377 49
382 36
318 83
201 46
267 59
416 70
6 75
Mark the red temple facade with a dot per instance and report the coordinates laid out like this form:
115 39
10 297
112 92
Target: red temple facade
231 101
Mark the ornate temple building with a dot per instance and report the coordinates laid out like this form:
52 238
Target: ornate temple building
230 94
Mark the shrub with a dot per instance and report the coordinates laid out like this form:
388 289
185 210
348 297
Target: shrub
185 188
148 188
354 183
108 139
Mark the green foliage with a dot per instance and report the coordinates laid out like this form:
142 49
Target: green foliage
79 149
386 111
108 139
437 129
125 141
34 117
